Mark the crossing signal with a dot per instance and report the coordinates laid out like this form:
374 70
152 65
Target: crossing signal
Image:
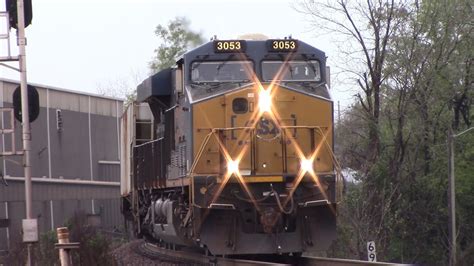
33 103
12 10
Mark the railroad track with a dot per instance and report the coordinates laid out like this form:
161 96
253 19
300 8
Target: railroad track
193 257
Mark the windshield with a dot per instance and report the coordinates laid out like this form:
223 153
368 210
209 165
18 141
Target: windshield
291 70
221 71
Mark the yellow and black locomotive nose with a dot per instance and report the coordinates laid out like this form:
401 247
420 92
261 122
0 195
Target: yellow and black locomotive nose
267 131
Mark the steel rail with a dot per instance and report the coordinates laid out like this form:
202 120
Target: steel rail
319 261
190 256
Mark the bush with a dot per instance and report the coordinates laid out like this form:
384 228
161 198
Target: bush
94 248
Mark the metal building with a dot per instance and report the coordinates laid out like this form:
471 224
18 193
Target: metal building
75 160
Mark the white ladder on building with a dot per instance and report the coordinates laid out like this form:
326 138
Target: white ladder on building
5 42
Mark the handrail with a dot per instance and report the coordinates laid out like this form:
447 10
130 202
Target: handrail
252 128
213 131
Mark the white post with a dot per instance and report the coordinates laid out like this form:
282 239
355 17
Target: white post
26 136
371 252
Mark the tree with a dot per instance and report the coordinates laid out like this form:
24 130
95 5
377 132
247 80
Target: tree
368 27
122 87
253 36
413 64
430 62
176 38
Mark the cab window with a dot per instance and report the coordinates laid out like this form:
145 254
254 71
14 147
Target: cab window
296 70
221 71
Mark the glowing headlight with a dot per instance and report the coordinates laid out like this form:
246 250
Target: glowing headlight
265 101
307 165
232 167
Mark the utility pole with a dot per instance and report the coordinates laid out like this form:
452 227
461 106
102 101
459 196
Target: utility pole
452 194
452 199
338 113
30 225
18 18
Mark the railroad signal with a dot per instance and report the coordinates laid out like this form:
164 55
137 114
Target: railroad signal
12 9
33 103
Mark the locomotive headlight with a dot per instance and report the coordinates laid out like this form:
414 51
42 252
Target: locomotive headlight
265 101
232 167
307 165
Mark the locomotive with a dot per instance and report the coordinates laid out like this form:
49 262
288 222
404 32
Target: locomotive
231 150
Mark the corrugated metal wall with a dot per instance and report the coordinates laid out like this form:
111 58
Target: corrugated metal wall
62 211
54 189
89 134
76 137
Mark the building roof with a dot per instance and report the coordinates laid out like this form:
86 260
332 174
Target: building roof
64 90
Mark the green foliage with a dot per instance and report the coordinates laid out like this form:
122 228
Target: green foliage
45 252
400 200
94 246
348 242
464 170
176 38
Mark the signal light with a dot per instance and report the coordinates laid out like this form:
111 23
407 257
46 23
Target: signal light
307 165
12 10
265 101
232 167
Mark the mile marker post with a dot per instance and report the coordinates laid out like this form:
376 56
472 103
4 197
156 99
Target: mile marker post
371 253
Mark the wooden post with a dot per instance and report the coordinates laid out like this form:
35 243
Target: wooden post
63 238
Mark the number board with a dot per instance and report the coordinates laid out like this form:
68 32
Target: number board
282 45
231 46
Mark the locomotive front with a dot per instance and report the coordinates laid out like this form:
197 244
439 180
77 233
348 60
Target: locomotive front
262 171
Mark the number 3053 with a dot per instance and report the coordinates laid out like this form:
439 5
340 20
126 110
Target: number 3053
228 46
283 45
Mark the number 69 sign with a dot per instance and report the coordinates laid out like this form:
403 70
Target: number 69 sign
371 255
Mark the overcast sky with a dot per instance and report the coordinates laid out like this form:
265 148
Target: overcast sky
83 45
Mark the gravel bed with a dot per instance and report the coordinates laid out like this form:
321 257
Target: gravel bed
128 254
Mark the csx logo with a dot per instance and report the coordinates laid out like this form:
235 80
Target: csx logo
267 128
